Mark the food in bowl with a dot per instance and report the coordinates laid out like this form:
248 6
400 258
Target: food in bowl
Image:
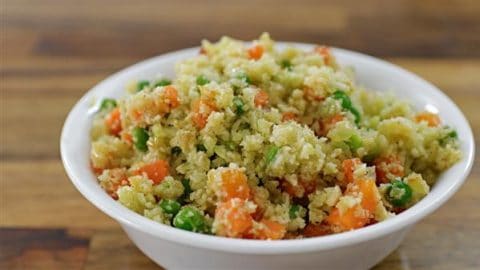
257 143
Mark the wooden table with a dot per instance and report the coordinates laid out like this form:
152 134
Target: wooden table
54 51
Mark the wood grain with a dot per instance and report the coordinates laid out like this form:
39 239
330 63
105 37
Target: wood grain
52 51
43 248
114 243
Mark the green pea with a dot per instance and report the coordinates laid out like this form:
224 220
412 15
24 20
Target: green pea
140 138
294 210
175 151
201 148
170 206
399 193
141 85
238 103
354 142
202 80
271 153
190 219
108 104
163 82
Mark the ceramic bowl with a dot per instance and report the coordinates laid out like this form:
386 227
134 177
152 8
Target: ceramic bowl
177 249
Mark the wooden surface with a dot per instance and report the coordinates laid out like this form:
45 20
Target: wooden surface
54 51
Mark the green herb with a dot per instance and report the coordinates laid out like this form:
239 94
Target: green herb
286 64
369 158
271 153
230 146
202 80
163 82
141 85
294 210
186 186
238 103
140 138
201 147
346 103
186 191
244 77
452 135
356 114
175 151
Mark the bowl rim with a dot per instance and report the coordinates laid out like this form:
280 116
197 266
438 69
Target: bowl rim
129 218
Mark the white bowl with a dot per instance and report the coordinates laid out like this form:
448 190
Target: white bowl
177 249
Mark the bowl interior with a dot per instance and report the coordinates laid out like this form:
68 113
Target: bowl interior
372 73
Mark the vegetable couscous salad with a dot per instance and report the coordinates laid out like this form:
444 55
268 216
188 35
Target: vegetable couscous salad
253 142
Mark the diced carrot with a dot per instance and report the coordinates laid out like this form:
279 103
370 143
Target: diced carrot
156 171
96 171
113 122
127 137
170 96
310 95
432 119
289 116
291 235
137 115
234 185
325 52
309 186
294 191
202 51
113 193
387 168
261 98
258 214
353 218
255 52
370 193
335 119
360 214
164 103
234 218
270 229
313 230
328 123
349 166
202 109
301 190
116 178
259 211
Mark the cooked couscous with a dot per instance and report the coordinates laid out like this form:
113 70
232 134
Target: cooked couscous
259 143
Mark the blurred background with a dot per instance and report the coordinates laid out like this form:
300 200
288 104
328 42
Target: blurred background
53 51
